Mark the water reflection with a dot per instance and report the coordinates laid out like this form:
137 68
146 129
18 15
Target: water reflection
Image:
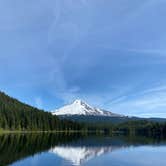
80 155
76 148
85 149
14 147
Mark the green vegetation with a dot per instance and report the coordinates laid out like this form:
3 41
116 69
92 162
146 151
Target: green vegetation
15 115
142 127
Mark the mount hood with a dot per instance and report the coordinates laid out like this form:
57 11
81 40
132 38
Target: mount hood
79 107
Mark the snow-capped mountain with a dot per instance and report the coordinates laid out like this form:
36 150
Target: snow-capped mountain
79 107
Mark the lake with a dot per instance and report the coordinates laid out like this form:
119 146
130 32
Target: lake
81 149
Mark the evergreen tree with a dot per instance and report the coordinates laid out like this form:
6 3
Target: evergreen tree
15 115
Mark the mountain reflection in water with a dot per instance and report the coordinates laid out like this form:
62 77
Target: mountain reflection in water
79 155
76 148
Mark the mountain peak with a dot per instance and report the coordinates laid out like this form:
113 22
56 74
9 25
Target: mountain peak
79 107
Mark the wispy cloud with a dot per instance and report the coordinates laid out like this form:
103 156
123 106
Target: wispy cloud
150 102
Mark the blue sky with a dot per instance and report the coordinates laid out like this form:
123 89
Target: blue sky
111 54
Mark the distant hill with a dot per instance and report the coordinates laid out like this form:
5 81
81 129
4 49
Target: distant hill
113 120
15 115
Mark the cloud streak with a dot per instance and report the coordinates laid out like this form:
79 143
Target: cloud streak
151 102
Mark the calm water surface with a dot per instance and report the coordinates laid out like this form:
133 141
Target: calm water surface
72 150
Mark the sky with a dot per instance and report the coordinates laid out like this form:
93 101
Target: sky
111 54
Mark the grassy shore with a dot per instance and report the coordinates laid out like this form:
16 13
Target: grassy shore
52 131
61 131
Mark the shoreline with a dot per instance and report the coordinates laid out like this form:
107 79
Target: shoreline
60 131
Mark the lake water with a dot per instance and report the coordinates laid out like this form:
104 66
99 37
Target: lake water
76 149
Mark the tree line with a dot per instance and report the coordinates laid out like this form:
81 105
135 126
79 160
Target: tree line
141 127
15 115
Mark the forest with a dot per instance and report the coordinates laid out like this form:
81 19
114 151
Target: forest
142 127
15 115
